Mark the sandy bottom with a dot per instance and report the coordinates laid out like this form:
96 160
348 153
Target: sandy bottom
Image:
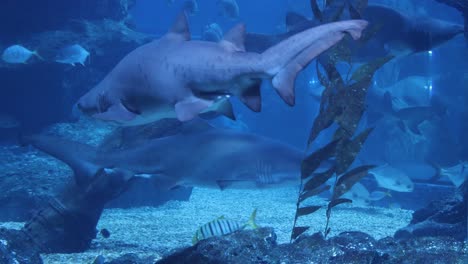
157 231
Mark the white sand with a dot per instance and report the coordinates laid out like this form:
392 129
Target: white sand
155 231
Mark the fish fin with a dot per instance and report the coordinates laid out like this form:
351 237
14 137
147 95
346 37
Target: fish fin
251 97
234 39
219 107
180 26
78 156
37 55
117 113
190 107
293 19
251 221
224 107
283 82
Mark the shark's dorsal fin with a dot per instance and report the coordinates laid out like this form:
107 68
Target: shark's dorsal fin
234 39
180 26
293 19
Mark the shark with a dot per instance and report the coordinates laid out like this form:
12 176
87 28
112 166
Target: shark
395 33
176 77
193 154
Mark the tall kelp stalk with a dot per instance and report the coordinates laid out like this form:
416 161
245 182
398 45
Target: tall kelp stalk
343 103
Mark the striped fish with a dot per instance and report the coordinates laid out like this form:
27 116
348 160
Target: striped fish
222 226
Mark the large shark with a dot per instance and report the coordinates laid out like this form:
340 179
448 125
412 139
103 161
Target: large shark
177 77
196 155
396 33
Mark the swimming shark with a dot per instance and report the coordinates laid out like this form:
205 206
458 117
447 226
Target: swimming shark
196 155
396 33
177 77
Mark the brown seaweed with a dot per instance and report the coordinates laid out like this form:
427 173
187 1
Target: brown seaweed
343 103
347 180
313 161
349 149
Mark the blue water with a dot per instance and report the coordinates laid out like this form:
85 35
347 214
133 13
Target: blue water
40 94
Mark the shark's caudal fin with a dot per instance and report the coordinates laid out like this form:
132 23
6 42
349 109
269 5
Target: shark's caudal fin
286 59
76 155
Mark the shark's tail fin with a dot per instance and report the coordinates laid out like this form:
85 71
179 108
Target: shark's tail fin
286 59
76 155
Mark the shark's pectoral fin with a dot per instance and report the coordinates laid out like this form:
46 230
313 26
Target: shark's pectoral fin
116 112
251 97
190 107
220 107
224 107
234 39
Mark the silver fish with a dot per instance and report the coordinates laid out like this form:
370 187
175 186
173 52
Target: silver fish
18 54
73 54
391 178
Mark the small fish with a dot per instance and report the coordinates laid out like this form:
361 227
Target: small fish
229 8
222 226
191 7
18 54
7 121
72 54
212 32
379 195
391 178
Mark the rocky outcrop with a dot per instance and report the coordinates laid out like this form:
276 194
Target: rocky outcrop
259 246
445 218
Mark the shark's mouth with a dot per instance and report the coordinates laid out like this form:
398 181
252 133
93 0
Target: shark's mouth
212 95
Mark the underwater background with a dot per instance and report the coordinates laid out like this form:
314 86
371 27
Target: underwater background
403 197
